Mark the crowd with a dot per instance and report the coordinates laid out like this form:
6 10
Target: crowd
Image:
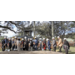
29 44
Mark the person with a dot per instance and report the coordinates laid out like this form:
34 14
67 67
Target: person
18 44
29 41
9 44
44 44
5 43
21 44
49 45
66 46
54 43
13 44
59 44
31 44
40 42
36 44
15 41
3 46
26 44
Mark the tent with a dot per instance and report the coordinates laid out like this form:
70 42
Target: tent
70 40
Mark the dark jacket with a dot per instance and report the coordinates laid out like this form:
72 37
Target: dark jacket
31 44
10 44
66 43
49 43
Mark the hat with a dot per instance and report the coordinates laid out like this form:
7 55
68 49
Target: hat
58 37
12 38
53 38
25 37
35 37
47 39
64 38
30 38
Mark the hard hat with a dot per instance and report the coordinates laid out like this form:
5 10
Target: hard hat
64 38
47 39
58 37
25 37
53 38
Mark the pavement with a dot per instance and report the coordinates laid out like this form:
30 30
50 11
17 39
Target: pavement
30 52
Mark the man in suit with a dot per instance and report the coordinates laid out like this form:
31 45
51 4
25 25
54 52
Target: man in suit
54 43
59 43
10 44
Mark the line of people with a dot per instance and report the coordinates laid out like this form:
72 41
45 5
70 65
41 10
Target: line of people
31 44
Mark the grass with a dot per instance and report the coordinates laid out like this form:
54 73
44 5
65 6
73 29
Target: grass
71 51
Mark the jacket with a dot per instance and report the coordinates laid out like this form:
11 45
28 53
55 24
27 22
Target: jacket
60 42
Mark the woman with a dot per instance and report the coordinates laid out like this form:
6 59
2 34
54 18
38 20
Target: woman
44 44
18 44
66 45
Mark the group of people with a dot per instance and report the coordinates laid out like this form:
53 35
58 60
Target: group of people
30 44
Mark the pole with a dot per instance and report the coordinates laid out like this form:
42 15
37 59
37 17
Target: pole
34 28
52 29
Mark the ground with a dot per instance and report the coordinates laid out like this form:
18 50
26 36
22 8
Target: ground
71 51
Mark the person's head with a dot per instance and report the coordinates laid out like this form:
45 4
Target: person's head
47 39
58 37
43 38
53 38
28 39
64 39
25 37
4 37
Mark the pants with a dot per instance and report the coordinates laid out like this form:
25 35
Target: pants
31 48
54 48
66 49
49 48
60 49
13 47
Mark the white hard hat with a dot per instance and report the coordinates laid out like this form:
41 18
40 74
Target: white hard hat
35 37
25 37
15 37
47 39
58 37
43 38
53 38
64 38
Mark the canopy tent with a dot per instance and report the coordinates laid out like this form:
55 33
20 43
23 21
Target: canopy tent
70 40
